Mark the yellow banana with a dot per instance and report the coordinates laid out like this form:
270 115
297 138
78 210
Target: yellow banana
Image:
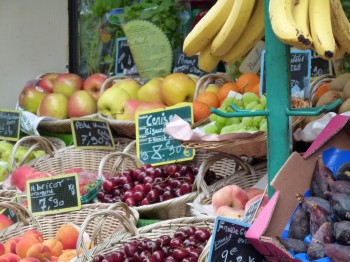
340 25
206 61
300 12
253 32
207 28
284 26
233 27
321 28
339 52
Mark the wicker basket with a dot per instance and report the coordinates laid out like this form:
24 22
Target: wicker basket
241 178
117 240
122 128
176 207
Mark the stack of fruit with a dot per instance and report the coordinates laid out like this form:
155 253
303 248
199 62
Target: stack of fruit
62 95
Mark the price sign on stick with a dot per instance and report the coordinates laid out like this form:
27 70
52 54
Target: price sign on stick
320 66
10 124
153 146
92 133
228 242
56 194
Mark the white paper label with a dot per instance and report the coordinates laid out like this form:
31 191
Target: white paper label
252 62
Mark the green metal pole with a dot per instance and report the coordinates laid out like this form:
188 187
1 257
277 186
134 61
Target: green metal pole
278 100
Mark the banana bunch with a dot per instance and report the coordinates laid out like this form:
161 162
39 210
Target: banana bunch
320 25
227 32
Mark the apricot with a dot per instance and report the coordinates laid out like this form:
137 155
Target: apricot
200 111
252 192
67 256
230 212
55 246
209 98
53 258
2 249
34 233
9 257
68 236
24 244
30 259
39 251
5 222
10 244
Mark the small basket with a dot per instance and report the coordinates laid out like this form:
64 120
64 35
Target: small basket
254 145
175 207
241 178
118 240
122 128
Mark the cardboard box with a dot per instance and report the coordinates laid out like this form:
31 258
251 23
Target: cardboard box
294 177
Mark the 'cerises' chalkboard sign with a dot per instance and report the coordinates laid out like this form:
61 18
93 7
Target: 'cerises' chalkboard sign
153 145
10 122
228 243
300 64
187 65
92 133
124 62
54 194
320 66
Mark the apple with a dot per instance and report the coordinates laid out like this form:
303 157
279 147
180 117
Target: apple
22 154
5 150
54 105
93 84
81 103
176 88
46 82
213 88
111 102
195 78
146 106
19 176
151 90
31 97
129 85
130 107
67 84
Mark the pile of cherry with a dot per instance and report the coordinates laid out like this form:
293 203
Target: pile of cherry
185 245
148 184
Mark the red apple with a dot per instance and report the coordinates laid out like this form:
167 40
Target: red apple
81 103
93 84
20 175
31 97
130 107
145 106
47 81
54 105
67 84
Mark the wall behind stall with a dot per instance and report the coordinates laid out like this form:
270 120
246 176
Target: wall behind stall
33 40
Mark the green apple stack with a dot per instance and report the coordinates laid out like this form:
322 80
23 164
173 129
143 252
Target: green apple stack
249 101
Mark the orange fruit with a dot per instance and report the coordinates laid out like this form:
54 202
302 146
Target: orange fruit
225 89
322 89
209 98
247 81
254 89
200 111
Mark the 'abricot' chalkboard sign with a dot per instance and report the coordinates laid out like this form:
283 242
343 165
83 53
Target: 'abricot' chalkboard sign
10 123
92 133
54 194
228 243
153 145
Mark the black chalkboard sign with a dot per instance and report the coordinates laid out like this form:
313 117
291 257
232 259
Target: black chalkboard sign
300 67
124 62
91 133
187 65
228 243
153 146
320 66
54 194
10 123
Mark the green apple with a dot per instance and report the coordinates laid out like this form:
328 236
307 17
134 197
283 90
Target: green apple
22 154
3 173
151 90
30 98
5 150
129 85
39 153
177 88
213 88
54 105
112 101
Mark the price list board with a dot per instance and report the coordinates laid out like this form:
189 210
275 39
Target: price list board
10 124
155 147
51 195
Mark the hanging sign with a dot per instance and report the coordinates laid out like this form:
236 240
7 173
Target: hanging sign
187 65
153 146
92 133
10 124
124 63
228 242
51 195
